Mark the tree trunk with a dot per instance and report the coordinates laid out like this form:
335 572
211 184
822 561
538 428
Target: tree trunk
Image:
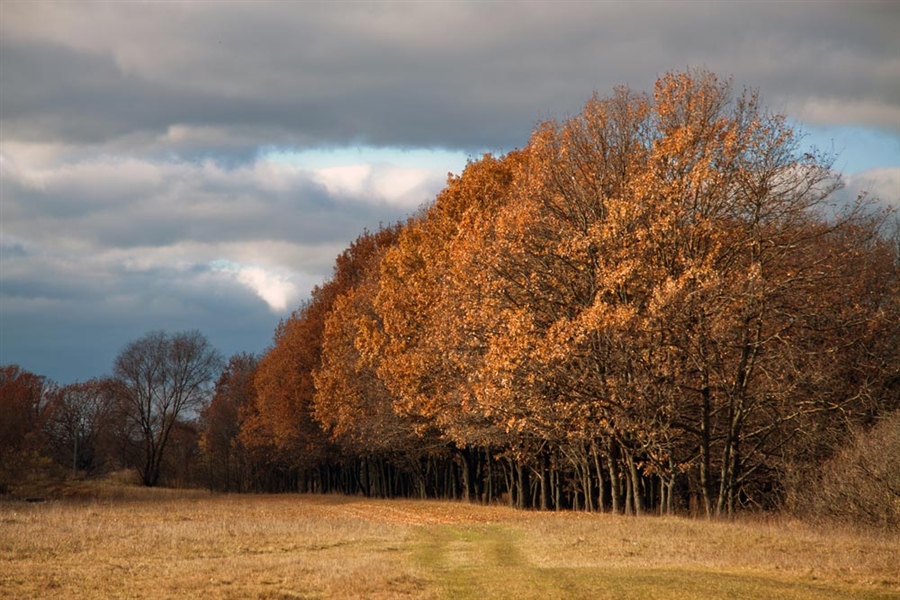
468 476
705 435
614 479
523 491
588 482
545 481
635 484
601 500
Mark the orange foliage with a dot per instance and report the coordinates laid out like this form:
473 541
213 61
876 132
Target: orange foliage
657 289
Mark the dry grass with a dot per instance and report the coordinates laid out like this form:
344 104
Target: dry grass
129 542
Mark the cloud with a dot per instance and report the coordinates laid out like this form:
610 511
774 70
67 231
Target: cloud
192 165
105 248
105 216
278 291
404 186
103 202
67 315
415 75
881 185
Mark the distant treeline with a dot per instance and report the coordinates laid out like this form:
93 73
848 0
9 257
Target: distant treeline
658 305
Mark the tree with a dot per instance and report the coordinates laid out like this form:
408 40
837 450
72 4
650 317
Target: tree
674 278
24 411
280 424
161 378
351 402
80 424
423 339
378 446
224 454
24 404
654 304
278 427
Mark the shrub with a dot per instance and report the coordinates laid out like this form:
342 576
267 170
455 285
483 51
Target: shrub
860 485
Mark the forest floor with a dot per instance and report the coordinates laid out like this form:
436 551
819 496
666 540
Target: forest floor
138 543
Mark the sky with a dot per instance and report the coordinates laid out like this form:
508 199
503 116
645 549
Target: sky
199 165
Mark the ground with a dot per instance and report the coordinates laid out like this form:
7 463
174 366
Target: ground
135 543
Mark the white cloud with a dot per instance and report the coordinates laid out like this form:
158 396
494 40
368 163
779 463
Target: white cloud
351 180
882 184
100 203
278 291
393 184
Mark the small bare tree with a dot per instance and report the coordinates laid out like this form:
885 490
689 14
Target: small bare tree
162 377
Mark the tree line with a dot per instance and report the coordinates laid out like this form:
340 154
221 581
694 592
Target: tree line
140 417
658 305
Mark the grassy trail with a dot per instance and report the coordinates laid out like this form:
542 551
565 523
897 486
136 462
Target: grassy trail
487 561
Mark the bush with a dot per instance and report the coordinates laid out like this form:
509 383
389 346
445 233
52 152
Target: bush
26 474
860 485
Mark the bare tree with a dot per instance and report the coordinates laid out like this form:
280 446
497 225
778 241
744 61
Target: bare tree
163 377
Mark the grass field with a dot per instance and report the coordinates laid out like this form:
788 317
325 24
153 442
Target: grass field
136 543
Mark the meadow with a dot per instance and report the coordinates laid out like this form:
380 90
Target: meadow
130 542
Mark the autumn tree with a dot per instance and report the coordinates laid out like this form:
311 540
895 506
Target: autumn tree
768 259
658 255
81 425
281 422
424 340
162 377
658 303
224 455
352 403
24 406
542 366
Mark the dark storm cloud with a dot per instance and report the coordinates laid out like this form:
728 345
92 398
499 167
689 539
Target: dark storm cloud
51 92
455 75
69 325
54 93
